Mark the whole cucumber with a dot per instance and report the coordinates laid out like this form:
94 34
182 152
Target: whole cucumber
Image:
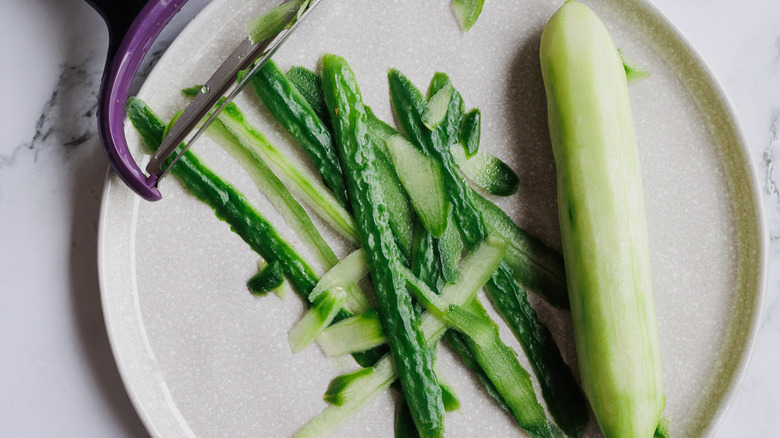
603 226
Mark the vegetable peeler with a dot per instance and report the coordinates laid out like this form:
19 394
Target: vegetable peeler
133 25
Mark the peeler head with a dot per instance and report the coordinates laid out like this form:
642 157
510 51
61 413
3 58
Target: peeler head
121 67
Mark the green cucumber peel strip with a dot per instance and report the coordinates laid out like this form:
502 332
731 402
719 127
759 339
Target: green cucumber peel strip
559 388
352 391
302 182
467 12
486 171
363 330
471 131
421 177
634 72
283 288
450 248
425 263
294 113
436 109
346 274
346 386
404 424
267 280
401 212
270 23
457 342
448 132
247 155
309 85
500 363
324 309
357 154
537 266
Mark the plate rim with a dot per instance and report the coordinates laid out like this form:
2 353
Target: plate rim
753 330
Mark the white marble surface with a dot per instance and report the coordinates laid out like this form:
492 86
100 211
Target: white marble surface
57 375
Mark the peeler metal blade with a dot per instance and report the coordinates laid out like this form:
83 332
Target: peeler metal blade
222 85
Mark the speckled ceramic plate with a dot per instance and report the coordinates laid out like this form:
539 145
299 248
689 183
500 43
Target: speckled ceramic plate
200 356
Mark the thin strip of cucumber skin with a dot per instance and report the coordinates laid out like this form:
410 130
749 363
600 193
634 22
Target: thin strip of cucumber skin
267 280
232 207
401 212
457 342
295 216
425 258
346 274
421 177
467 12
298 118
486 171
363 330
537 266
364 385
427 267
559 388
470 132
357 155
483 169
498 360
323 311
305 184
309 84
450 249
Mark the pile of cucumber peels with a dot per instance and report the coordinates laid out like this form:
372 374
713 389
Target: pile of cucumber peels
427 251
409 202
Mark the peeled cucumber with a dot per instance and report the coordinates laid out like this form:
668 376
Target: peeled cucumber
603 226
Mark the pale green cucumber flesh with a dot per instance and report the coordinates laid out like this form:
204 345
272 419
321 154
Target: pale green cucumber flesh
437 107
358 333
322 312
467 12
486 171
422 179
603 223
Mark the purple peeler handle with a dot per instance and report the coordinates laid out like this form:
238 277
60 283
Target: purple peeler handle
117 78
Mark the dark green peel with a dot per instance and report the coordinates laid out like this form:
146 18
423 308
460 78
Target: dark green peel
300 120
560 390
309 84
270 278
470 132
357 154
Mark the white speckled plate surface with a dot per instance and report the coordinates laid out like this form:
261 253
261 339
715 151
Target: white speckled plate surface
202 357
